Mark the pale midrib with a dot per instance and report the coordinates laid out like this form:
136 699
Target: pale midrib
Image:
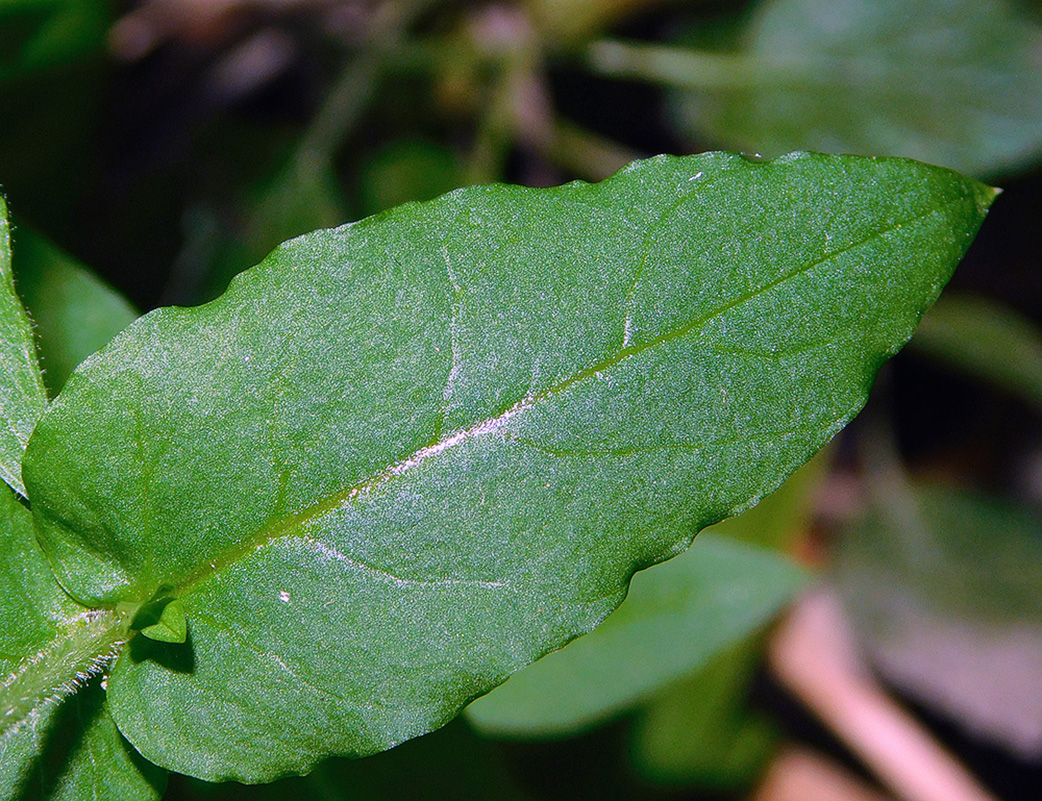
287 526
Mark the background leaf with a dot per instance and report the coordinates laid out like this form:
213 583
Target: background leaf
22 396
404 458
675 618
953 83
987 340
39 34
74 311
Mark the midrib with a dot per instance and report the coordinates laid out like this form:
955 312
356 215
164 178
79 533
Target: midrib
285 527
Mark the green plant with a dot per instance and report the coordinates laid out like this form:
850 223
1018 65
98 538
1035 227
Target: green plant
401 459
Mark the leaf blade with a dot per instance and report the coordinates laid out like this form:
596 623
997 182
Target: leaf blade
22 396
444 492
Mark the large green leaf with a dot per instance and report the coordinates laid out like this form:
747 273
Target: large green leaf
22 396
676 617
952 82
404 458
74 311
47 649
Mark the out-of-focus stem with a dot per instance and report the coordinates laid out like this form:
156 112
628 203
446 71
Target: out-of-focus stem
801 775
813 654
675 66
585 153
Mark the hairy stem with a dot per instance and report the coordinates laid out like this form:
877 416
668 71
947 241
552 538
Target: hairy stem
82 648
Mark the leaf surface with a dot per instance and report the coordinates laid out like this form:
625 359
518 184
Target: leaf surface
952 82
401 459
675 618
70 750
22 396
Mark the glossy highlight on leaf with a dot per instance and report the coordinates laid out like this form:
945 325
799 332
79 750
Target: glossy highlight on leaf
403 458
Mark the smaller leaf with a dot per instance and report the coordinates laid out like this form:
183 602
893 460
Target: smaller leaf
75 312
676 617
160 618
171 625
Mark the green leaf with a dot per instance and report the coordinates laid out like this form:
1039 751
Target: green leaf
952 82
22 396
74 311
701 730
38 34
163 620
675 618
986 340
49 646
404 458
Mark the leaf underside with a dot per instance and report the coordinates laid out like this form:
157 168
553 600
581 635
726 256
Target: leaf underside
401 459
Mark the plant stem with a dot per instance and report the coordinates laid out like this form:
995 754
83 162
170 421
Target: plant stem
586 153
81 649
356 87
675 66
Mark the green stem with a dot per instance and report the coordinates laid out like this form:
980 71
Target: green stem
676 66
587 154
82 649
494 136
356 87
